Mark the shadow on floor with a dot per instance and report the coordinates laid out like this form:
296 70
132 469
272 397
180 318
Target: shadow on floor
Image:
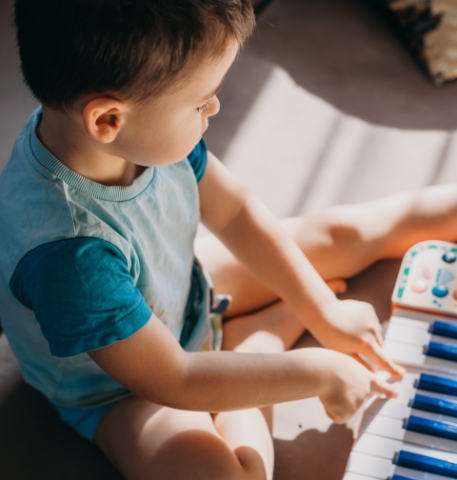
302 458
35 443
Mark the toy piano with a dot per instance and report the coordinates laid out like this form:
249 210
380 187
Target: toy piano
414 437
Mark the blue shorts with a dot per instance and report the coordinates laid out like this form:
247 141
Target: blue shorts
84 420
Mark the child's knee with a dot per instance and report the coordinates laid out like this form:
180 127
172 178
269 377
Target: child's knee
200 455
251 463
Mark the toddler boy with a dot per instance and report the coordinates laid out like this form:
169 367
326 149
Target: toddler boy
104 304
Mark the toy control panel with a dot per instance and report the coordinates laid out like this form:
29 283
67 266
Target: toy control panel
428 278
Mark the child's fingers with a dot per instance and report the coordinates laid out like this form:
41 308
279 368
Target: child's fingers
378 334
339 418
381 387
363 362
331 415
376 354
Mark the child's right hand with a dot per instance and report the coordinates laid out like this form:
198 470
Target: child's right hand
352 327
348 386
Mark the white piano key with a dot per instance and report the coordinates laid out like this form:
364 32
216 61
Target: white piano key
406 389
406 394
408 335
394 408
393 428
412 355
408 381
370 467
423 325
386 448
377 446
405 313
414 336
382 426
356 476
411 322
416 474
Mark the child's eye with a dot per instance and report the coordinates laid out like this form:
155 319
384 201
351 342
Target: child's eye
203 107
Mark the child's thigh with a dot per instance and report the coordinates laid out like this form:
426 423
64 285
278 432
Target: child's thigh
230 277
146 441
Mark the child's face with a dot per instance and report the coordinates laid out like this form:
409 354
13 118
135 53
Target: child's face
166 129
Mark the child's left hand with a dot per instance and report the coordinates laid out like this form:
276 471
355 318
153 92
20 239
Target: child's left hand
352 327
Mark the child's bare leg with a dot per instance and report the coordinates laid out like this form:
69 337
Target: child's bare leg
145 441
270 330
329 257
249 427
341 241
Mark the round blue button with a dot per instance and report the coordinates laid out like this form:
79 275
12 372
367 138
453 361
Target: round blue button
440 291
449 257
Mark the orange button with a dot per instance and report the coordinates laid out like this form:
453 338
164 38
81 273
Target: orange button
455 294
420 286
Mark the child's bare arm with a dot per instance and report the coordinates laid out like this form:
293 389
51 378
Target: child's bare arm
152 364
262 246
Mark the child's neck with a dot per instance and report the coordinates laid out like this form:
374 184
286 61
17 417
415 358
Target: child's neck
67 141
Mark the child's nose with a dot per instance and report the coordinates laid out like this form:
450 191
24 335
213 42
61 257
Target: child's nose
214 107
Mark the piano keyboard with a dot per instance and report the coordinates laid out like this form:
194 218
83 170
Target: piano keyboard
414 436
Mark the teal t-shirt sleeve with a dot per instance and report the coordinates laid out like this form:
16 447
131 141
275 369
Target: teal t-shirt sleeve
82 294
198 158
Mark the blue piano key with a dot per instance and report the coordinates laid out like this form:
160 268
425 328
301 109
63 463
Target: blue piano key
446 351
424 463
437 428
437 384
435 405
444 329
402 477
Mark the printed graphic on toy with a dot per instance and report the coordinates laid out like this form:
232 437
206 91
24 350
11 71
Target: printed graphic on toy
428 278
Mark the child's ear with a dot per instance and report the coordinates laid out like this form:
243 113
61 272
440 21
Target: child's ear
102 118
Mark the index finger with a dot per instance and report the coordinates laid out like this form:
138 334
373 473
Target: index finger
375 353
381 387
378 335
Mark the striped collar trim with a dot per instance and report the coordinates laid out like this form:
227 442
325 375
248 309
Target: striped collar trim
113 193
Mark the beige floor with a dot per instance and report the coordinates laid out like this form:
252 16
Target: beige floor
323 106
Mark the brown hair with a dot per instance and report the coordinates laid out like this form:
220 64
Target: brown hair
130 49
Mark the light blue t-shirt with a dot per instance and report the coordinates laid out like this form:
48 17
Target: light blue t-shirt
83 265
